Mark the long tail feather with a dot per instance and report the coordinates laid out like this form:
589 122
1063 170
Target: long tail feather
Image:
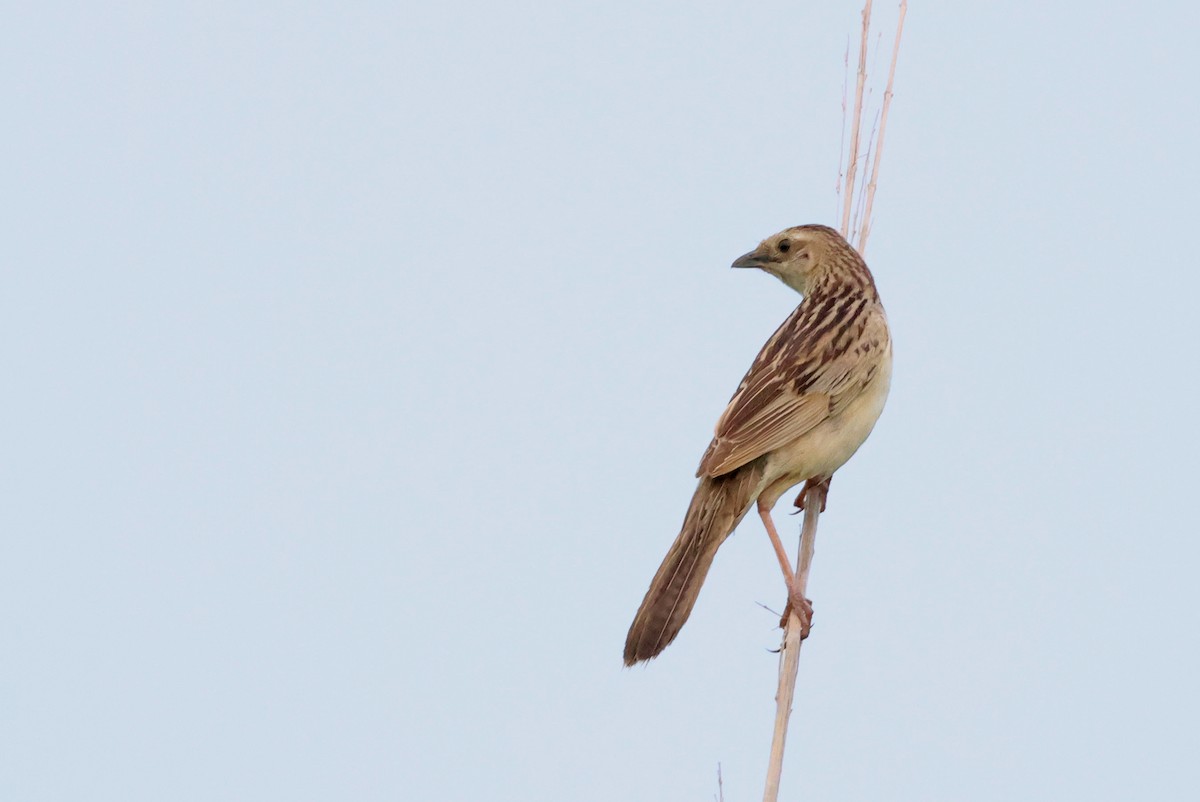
717 507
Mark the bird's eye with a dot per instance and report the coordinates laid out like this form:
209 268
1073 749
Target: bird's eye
784 246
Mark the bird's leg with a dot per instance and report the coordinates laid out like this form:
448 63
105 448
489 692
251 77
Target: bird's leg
796 600
821 486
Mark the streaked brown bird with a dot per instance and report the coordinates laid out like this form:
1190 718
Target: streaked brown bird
807 403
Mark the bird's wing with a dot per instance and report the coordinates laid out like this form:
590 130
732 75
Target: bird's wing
803 375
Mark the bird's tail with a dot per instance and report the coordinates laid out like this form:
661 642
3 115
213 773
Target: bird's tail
717 507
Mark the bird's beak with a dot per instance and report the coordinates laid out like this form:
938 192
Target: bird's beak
751 259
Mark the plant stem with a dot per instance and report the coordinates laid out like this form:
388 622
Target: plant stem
887 102
789 653
856 120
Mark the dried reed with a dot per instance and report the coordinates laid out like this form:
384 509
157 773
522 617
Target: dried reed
789 655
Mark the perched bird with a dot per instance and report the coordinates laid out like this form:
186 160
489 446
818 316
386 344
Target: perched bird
807 403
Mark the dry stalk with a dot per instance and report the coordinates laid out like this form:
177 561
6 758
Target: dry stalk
860 201
842 139
887 102
789 652
856 120
789 655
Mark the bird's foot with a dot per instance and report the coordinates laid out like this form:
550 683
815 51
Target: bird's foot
803 609
821 487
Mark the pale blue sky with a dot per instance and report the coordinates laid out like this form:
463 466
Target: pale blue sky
360 356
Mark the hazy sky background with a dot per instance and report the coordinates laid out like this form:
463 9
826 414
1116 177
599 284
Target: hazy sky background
359 357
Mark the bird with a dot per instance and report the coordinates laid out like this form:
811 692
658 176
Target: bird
809 400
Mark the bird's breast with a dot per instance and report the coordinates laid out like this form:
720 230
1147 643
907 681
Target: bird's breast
831 443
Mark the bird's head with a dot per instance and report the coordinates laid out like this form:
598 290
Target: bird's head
796 255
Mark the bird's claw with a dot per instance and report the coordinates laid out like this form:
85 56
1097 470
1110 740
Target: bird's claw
803 609
821 487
